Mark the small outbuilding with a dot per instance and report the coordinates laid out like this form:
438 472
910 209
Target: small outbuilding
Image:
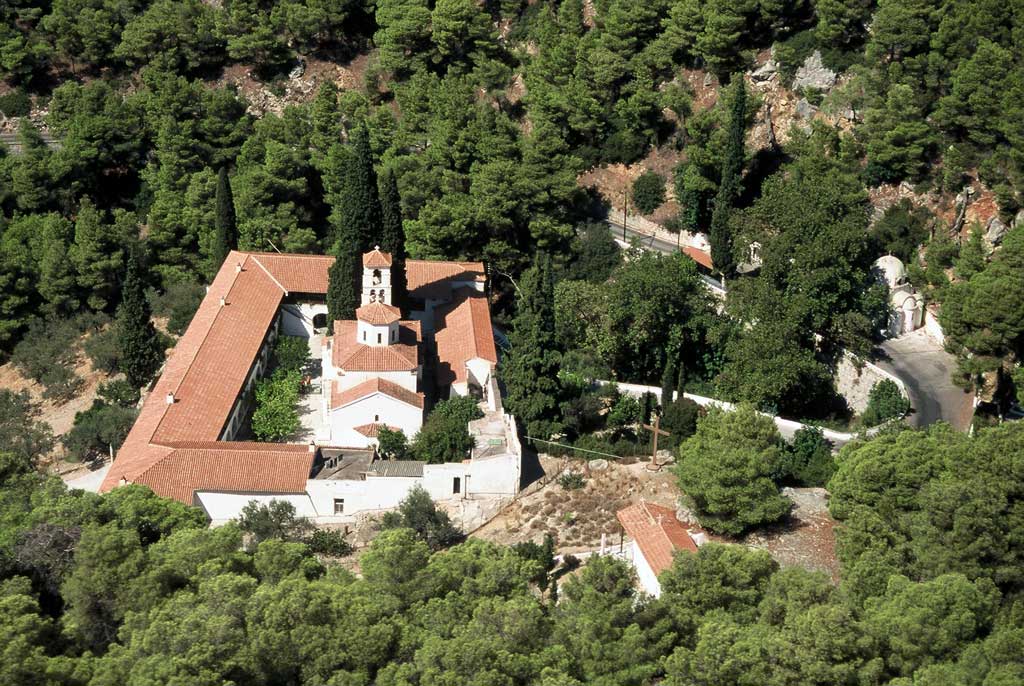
657 535
906 306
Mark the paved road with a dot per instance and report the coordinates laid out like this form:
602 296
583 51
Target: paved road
646 240
927 369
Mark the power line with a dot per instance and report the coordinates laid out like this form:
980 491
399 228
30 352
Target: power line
572 447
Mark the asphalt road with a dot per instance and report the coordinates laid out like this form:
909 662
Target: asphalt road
927 369
646 240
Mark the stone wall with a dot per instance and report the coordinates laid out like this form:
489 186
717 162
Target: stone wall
855 384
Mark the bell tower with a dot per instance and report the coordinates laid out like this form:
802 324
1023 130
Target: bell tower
376 277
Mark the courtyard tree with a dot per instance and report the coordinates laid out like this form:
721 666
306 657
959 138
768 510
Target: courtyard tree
725 469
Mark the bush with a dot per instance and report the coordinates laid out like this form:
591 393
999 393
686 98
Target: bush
624 147
178 303
902 228
47 344
445 436
274 520
462 408
418 512
17 103
792 52
597 254
679 418
99 430
329 542
885 402
571 481
60 383
21 434
119 392
649 192
808 459
104 350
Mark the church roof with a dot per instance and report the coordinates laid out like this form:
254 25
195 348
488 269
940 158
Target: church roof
372 430
429 279
378 314
371 387
375 259
463 332
657 532
348 354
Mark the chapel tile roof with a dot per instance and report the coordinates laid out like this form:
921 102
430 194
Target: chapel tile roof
372 430
699 256
348 354
463 332
378 314
657 532
373 386
376 259
429 279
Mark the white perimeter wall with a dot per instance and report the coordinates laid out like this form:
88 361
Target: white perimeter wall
223 507
645 575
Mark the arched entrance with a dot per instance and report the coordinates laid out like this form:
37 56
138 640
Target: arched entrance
319 321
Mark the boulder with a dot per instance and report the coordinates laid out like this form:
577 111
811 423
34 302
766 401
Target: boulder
766 72
1018 220
995 230
814 74
804 109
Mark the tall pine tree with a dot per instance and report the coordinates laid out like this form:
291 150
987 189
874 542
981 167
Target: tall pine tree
729 187
530 371
392 236
343 287
226 237
141 352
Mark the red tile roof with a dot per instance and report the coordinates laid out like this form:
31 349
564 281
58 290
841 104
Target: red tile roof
349 354
169 447
371 387
372 430
375 259
429 279
463 333
699 256
378 314
224 466
657 531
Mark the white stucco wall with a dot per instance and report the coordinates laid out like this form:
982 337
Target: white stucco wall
933 328
373 494
297 319
645 575
223 507
373 409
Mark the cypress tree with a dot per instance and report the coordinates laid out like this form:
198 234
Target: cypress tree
720 235
392 236
360 203
530 371
668 381
226 237
141 352
343 288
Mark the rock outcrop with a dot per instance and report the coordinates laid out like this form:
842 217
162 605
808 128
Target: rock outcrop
813 74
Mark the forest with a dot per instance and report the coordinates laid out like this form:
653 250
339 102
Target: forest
139 164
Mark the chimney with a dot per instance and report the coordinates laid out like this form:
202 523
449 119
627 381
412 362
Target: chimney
312 447
238 267
170 398
223 302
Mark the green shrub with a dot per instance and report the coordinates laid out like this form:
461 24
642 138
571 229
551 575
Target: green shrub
46 345
104 350
99 430
418 512
885 402
808 459
118 392
571 481
291 353
649 192
329 542
178 303
17 103
679 418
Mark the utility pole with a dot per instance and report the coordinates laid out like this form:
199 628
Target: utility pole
625 204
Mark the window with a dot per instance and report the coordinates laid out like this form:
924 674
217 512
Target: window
456 485
394 335
376 418
364 335
339 506
378 339
376 277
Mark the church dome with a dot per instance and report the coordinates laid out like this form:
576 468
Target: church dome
889 270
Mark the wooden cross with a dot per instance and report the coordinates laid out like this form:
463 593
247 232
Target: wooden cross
656 432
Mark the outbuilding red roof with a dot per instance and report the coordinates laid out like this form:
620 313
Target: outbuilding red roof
699 256
463 332
657 532
429 279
